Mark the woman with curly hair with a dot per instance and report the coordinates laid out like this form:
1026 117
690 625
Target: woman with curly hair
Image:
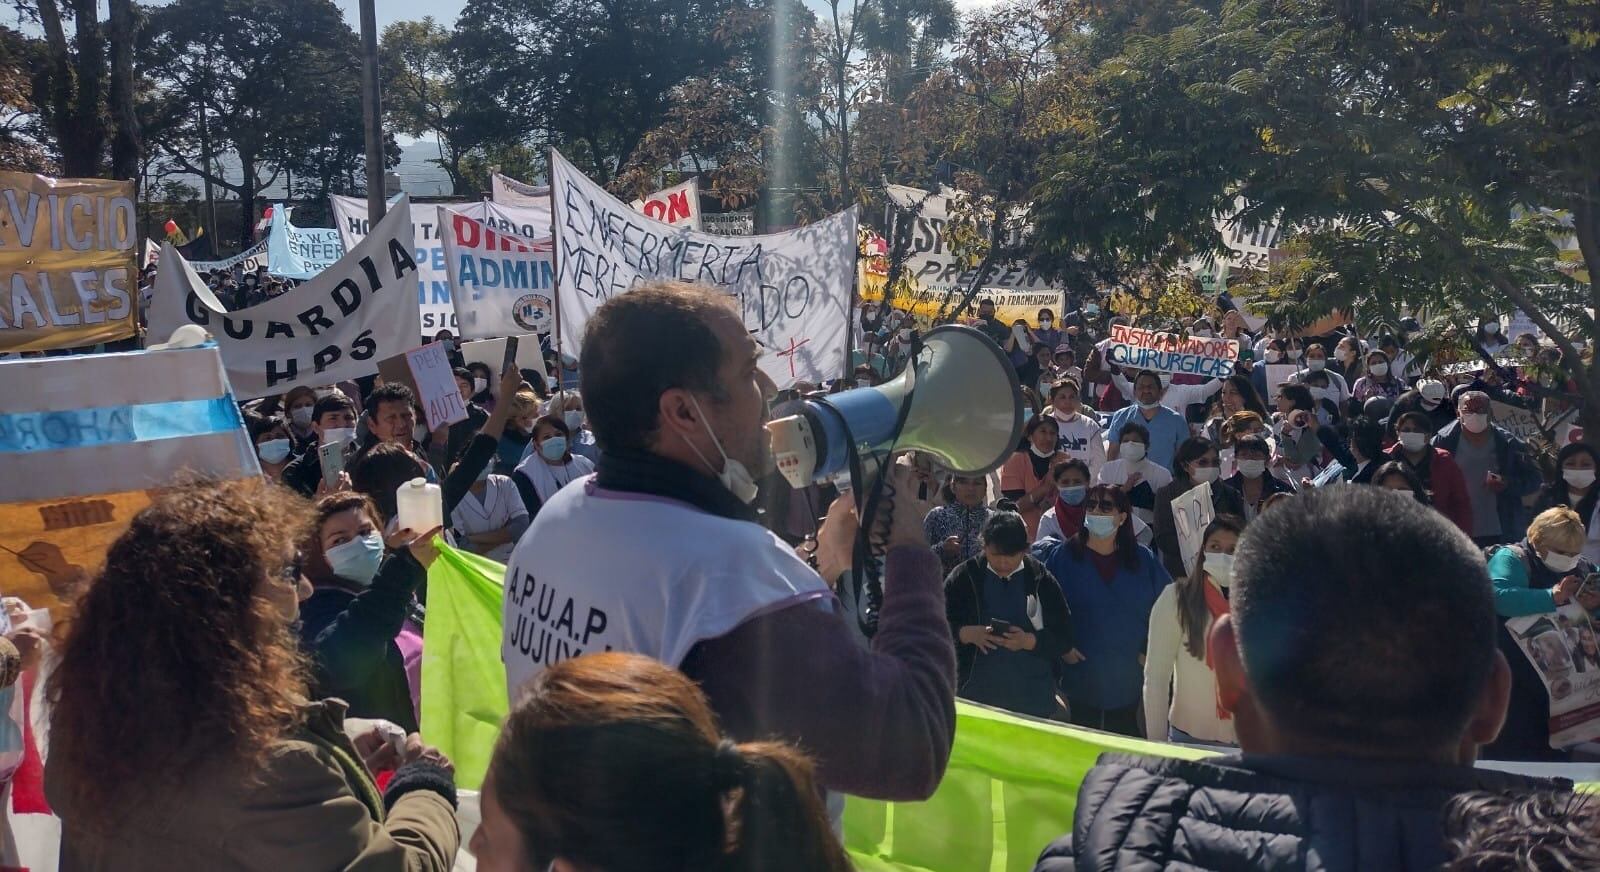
181 733
614 762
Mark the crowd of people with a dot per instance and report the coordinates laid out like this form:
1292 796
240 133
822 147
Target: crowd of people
1343 646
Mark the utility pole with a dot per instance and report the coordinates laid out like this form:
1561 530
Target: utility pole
372 112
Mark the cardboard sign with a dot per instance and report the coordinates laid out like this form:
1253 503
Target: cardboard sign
1170 352
1333 472
492 352
1192 512
1278 375
1565 651
435 379
67 258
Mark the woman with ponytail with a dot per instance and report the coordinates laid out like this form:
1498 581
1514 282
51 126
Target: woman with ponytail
614 762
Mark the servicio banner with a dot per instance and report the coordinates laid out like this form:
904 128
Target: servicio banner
67 253
333 327
1169 352
502 284
792 288
300 252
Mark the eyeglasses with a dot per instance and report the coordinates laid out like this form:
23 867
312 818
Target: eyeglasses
291 571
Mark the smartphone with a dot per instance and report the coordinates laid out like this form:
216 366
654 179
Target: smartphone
509 362
332 455
998 627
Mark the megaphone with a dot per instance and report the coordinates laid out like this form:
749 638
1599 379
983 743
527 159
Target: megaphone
956 400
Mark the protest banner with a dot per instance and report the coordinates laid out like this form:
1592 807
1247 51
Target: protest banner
300 252
507 191
1191 512
1170 352
932 262
436 391
1525 423
249 260
82 441
678 205
1562 646
492 353
67 257
333 327
741 223
501 284
793 289
433 282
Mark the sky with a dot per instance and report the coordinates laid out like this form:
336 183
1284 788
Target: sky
446 11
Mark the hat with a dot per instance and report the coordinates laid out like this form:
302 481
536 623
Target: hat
1063 348
1431 390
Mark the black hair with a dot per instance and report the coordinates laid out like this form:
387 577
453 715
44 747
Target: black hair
1251 443
392 392
1074 463
1421 419
463 373
1247 390
1190 450
1545 830
1404 470
1038 421
1366 435
1365 621
1136 428
1299 396
641 344
1005 532
1151 373
333 402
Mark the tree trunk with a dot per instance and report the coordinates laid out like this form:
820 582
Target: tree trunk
247 197
88 118
125 144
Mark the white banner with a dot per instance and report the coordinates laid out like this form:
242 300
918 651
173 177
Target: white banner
300 252
793 288
930 262
507 191
333 327
678 205
433 284
502 284
249 260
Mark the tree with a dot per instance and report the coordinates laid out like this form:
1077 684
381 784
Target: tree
23 137
421 92
70 91
589 76
274 83
1428 158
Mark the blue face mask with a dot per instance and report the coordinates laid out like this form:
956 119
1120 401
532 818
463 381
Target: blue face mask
554 448
1073 495
358 559
1100 526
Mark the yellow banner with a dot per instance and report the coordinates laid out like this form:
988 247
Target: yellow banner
67 275
48 549
923 303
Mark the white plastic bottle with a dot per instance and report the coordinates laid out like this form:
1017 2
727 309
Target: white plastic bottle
419 506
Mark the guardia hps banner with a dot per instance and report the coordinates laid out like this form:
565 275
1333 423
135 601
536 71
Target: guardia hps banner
67 252
793 289
333 327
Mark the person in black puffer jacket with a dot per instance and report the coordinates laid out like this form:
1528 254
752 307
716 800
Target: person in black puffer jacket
1358 661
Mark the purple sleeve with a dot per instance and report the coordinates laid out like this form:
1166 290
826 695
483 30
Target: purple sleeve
878 722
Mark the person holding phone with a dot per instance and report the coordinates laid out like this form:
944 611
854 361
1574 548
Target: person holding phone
1496 466
1010 622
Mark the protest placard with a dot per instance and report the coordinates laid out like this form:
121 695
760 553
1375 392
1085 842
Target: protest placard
435 379
1333 472
300 252
492 352
792 289
82 440
507 191
333 327
1192 511
67 256
1278 375
678 205
1170 352
1562 646
501 284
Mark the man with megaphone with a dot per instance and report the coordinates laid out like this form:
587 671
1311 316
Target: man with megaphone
659 553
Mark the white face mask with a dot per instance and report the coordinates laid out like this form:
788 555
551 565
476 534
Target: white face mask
1475 422
1271 356
273 451
338 434
573 418
1200 474
1203 333
1578 478
1491 328
1316 364
1133 452
1430 405
1252 468
1413 442
734 476
1219 565
1379 368
1560 562
1044 323
301 415
1294 354
479 385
